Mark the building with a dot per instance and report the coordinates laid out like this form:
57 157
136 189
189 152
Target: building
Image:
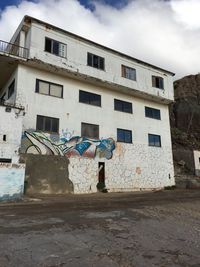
105 111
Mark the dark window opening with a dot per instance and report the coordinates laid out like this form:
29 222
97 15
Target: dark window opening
11 89
48 88
152 113
123 106
90 130
158 82
128 73
47 124
4 160
124 136
4 137
95 61
154 140
55 47
89 98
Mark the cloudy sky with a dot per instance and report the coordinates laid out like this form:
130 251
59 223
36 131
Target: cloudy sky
162 32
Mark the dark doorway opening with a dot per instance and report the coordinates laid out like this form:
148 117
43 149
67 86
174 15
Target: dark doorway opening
101 178
102 172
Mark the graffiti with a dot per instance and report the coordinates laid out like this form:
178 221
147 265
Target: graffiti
66 135
68 146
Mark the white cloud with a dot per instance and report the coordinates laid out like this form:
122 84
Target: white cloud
164 33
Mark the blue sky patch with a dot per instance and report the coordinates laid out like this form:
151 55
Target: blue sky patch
87 3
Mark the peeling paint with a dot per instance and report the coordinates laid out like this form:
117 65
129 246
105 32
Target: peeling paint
11 181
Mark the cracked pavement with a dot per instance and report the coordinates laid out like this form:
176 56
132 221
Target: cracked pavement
115 229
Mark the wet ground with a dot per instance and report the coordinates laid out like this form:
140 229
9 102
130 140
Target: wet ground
128 229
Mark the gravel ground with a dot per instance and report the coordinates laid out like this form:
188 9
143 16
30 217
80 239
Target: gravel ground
128 229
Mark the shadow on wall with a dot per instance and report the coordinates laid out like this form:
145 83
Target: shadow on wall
46 174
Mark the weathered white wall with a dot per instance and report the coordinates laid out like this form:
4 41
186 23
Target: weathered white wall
11 181
11 126
133 166
71 113
76 61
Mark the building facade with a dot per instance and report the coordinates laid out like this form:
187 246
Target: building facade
105 111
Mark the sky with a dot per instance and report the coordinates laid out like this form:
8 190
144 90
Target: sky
165 33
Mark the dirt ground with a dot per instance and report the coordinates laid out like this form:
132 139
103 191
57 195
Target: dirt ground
122 229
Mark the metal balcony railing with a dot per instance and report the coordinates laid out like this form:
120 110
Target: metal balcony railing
13 49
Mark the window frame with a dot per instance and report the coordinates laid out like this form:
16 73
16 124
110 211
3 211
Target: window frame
158 82
153 111
52 48
90 96
154 145
44 118
124 140
49 83
124 68
99 63
89 124
122 102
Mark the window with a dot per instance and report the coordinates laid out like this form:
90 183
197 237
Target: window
47 88
124 136
95 61
158 82
123 106
154 140
90 130
89 98
11 89
128 73
55 47
5 160
152 113
47 124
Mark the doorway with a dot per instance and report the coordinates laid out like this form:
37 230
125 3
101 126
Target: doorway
101 177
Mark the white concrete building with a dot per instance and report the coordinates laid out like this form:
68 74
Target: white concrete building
104 110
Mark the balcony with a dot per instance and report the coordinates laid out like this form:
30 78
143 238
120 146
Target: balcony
13 49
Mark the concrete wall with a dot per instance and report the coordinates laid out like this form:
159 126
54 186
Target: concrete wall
128 167
76 61
132 167
71 113
11 181
46 175
152 161
11 129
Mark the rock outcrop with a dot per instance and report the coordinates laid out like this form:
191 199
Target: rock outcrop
185 113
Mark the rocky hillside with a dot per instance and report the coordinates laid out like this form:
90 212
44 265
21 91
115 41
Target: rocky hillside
185 113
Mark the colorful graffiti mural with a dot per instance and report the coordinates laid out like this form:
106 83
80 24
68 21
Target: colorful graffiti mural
39 143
